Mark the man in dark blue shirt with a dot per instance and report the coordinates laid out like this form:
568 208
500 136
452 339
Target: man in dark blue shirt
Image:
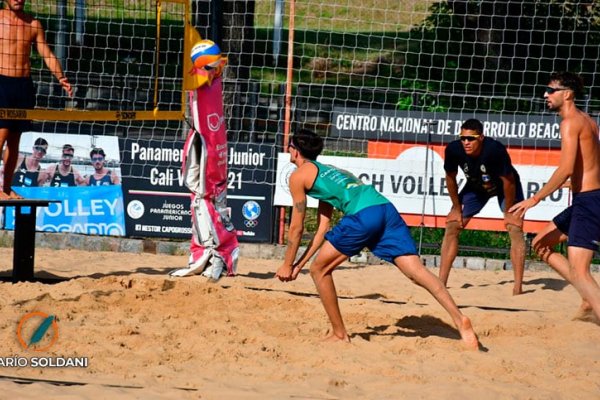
489 172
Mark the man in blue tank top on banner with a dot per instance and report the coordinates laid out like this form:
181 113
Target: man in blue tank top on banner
489 173
370 220
64 174
102 176
29 171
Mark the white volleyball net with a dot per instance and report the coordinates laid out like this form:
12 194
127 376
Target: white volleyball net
386 81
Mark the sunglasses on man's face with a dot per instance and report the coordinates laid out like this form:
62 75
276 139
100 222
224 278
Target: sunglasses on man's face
468 138
41 149
97 159
551 90
67 155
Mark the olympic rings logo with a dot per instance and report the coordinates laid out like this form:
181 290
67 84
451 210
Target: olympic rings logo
250 223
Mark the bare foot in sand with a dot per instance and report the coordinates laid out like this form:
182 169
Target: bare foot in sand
517 291
332 337
468 335
586 314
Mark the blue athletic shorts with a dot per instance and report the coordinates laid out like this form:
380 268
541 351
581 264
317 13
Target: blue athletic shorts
379 228
16 93
581 221
473 202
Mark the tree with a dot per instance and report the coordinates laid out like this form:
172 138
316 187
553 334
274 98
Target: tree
504 48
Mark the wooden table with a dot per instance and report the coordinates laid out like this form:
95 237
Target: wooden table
24 237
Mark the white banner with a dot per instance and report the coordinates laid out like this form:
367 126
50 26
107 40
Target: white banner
415 183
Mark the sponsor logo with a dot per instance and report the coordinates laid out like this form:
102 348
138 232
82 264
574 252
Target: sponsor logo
125 115
251 210
214 121
135 209
250 223
13 114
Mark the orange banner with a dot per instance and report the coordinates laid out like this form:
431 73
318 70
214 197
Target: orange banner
539 157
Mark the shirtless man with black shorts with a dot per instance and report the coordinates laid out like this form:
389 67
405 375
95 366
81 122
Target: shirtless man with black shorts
19 31
579 223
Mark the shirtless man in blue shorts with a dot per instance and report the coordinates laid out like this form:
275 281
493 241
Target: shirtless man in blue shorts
19 31
370 220
579 223
490 173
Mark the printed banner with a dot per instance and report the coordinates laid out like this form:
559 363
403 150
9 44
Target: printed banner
156 199
415 183
82 171
540 131
88 210
158 203
250 191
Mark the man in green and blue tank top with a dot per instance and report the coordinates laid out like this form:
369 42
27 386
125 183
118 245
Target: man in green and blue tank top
370 220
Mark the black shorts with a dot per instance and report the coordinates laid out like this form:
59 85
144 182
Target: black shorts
473 202
16 93
581 221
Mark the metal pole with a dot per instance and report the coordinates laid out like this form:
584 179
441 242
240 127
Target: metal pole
79 21
277 30
288 103
60 46
216 21
430 124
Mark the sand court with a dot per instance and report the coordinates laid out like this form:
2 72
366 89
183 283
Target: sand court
147 335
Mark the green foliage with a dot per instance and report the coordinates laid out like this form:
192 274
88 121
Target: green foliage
405 103
118 37
480 56
343 153
310 222
485 244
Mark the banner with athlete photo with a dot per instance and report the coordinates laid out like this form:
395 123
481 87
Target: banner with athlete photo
82 172
88 210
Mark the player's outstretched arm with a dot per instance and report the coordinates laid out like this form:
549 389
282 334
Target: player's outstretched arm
323 221
49 58
45 175
297 190
568 154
